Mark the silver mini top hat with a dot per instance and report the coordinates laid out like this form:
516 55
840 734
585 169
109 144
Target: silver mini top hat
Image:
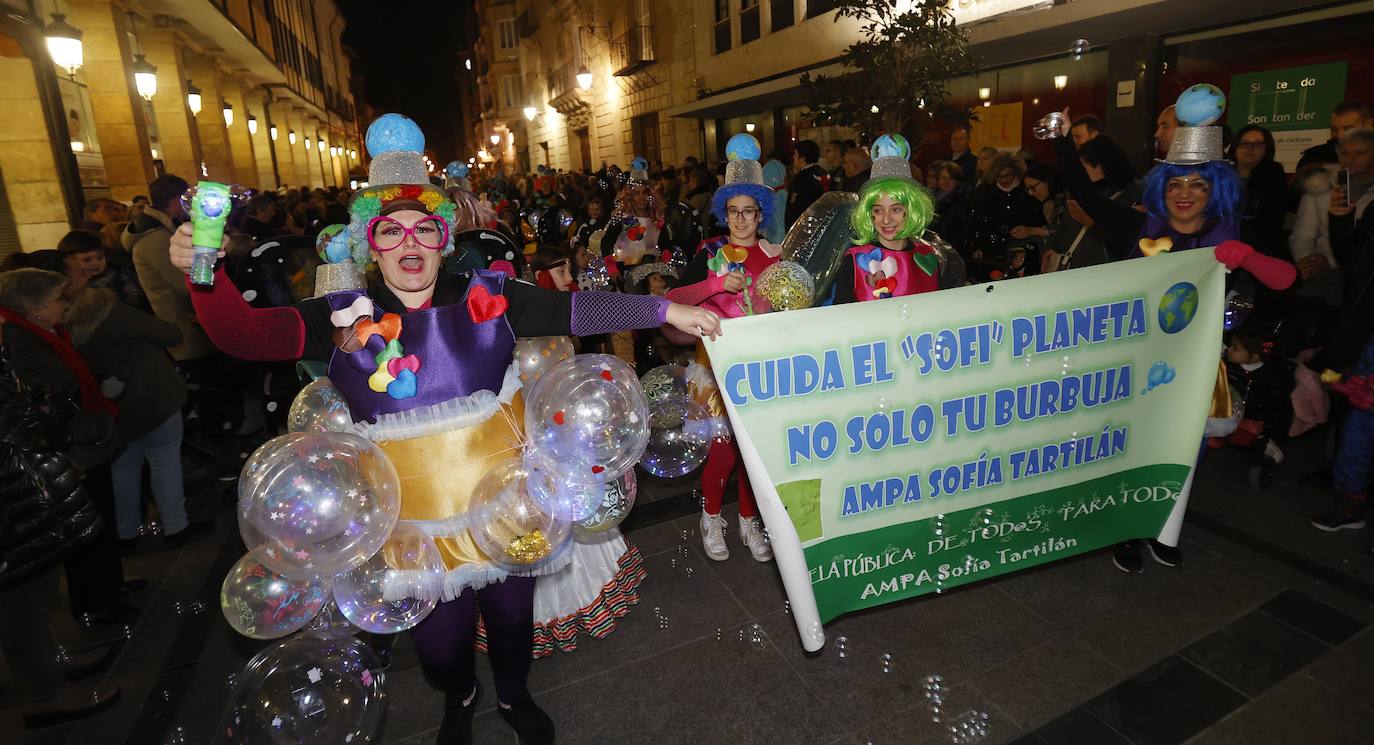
742 160
639 169
1195 146
891 154
338 277
1194 141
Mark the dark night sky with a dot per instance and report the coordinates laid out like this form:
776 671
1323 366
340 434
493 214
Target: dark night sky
407 56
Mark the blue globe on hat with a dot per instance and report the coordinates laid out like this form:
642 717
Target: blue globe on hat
743 176
891 158
1197 140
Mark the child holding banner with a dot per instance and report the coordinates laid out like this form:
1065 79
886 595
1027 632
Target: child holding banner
892 214
721 278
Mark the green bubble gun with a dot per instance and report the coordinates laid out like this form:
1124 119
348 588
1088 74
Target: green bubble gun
210 204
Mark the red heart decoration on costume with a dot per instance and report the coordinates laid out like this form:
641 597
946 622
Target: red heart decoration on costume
558 417
607 375
889 283
598 469
395 365
483 306
635 233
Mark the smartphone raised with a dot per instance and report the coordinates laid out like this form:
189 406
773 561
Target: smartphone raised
1343 181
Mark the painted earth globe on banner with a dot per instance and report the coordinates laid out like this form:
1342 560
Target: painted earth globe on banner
1177 307
1200 105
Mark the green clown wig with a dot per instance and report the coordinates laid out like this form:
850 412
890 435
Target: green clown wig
920 210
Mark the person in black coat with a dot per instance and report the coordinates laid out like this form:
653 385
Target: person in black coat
45 514
953 209
810 182
1001 205
1266 188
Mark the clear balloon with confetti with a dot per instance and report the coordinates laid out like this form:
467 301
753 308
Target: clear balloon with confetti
313 504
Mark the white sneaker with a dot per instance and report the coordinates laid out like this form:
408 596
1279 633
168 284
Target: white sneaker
713 537
751 533
1273 452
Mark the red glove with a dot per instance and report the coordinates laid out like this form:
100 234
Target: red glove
1234 253
1276 274
1358 388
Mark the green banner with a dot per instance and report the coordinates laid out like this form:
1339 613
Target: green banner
915 444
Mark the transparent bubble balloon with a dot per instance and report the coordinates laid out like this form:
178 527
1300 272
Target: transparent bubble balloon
786 286
396 588
314 504
819 239
320 687
508 524
535 354
664 381
1079 48
618 498
589 416
261 604
564 497
679 437
319 408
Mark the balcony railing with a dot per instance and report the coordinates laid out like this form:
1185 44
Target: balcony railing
633 50
563 80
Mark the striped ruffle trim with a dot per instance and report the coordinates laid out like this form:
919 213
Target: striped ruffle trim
597 620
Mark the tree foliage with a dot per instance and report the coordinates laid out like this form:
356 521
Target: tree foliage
908 52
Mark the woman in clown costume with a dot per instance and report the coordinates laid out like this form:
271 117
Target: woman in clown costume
891 216
721 278
424 360
1192 200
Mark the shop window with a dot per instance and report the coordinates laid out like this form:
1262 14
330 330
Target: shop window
819 7
722 28
784 13
748 21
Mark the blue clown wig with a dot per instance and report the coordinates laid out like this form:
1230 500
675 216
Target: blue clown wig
1223 202
761 194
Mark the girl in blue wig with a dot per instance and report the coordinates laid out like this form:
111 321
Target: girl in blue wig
721 277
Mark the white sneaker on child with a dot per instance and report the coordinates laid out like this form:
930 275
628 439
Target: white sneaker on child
713 537
751 533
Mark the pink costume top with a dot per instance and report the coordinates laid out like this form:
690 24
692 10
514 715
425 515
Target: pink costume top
704 282
879 272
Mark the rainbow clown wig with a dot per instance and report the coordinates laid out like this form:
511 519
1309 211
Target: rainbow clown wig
891 178
743 178
399 181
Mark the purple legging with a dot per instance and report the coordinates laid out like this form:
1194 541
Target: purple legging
445 639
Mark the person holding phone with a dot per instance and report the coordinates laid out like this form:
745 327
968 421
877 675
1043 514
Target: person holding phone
1343 191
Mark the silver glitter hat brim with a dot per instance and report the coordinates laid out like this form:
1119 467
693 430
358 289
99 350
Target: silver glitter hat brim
743 172
338 277
1194 146
891 167
398 167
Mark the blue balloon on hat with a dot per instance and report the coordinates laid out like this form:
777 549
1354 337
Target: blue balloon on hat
891 146
456 169
640 163
1200 105
743 147
392 132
